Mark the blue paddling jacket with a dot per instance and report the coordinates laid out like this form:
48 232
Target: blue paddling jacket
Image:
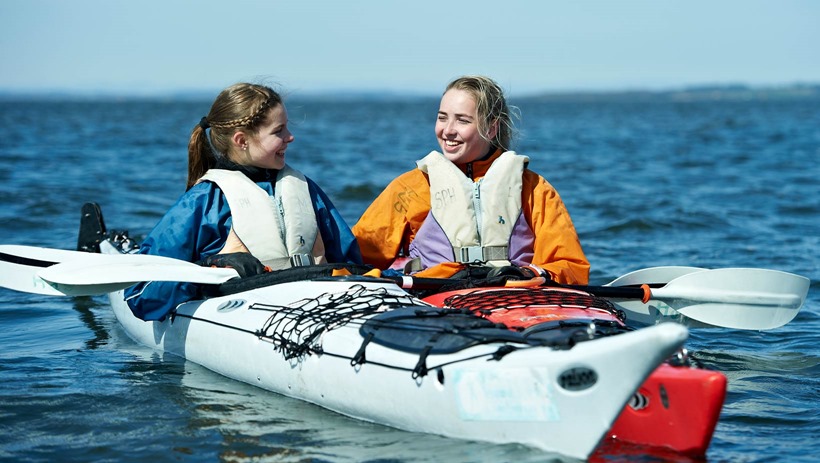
197 226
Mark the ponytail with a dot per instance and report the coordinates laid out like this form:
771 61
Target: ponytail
200 156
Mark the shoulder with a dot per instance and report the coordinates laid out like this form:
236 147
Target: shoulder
203 199
312 183
537 189
203 191
411 185
412 178
194 212
314 188
536 180
318 197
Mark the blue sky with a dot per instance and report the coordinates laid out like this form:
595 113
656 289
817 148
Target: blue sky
304 46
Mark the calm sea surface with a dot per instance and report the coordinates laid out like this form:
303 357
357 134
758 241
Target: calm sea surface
709 184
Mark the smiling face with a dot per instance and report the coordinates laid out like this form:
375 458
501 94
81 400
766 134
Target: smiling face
457 128
266 148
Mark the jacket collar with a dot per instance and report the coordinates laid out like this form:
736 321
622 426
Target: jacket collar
254 173
478 168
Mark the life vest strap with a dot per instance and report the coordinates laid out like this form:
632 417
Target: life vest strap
469 254
296 260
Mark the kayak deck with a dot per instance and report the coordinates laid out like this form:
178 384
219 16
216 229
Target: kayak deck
677 407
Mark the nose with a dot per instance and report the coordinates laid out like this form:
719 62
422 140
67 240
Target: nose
449 128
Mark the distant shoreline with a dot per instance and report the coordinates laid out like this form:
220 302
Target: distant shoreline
734 92
695 93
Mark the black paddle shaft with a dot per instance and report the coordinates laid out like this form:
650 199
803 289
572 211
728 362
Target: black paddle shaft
616 292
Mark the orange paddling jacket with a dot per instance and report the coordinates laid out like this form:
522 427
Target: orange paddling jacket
391 222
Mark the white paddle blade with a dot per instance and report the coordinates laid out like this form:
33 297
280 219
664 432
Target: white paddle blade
20 265
655 311
653 276
24 278
741 298
58 272
115 272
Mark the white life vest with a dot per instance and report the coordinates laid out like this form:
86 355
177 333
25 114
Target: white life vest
477 217
279 230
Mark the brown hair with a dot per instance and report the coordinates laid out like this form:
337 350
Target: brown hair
240 107
491 107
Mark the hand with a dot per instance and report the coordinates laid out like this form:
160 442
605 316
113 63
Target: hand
244 263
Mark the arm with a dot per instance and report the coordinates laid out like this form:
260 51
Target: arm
557 247
195 227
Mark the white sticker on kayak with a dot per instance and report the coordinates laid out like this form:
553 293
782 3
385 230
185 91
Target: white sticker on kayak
516 394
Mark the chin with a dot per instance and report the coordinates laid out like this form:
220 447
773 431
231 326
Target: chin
451 158
455 158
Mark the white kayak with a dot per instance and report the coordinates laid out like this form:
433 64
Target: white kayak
339 344
367 349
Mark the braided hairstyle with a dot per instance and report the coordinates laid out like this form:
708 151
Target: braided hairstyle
241 107
491 107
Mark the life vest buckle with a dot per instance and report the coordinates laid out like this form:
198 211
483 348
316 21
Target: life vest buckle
301 260
471 254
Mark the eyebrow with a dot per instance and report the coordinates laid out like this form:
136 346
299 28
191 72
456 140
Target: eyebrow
457 114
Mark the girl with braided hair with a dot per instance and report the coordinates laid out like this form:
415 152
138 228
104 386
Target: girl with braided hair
244 207
475 202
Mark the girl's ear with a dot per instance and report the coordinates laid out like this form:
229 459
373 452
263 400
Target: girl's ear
493 131
239 140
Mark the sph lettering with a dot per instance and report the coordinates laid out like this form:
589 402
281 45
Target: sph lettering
403 200
444 198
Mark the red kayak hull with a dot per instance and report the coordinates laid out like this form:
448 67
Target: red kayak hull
677 407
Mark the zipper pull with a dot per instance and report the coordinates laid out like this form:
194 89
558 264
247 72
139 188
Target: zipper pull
477 208
281 207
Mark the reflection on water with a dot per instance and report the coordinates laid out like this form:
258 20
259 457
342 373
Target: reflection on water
83 306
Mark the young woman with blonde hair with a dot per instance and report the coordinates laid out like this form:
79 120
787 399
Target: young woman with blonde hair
473 202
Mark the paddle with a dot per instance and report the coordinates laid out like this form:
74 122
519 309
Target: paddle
741 298
755 299
58 272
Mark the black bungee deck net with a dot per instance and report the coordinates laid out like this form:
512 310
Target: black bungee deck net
406 324
296 329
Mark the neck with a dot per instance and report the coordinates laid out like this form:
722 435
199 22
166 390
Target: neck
256 174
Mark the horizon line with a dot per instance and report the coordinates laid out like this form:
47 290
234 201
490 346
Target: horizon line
812 87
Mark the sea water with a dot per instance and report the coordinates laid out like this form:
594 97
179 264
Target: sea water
708 183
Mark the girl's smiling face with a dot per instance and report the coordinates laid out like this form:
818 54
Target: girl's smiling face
266 148
457 129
